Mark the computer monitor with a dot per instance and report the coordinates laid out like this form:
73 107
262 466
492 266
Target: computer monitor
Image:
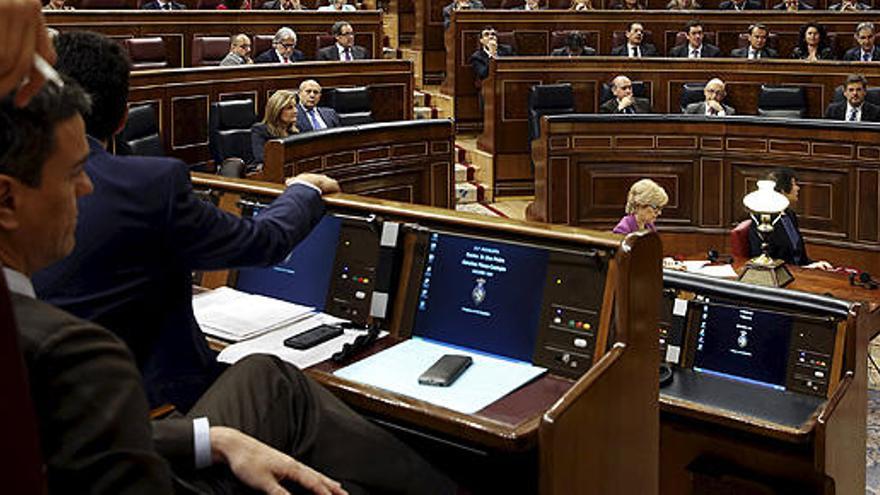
481 294
743 343
304 276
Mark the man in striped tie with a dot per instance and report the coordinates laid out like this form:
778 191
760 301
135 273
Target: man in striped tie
311 117
854 108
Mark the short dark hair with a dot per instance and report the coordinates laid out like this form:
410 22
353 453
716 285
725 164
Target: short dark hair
783 177
575 39
336 30
692 23
633 23
101 67
856 79
27 135
758 25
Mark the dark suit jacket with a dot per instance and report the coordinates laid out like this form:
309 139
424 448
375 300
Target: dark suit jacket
699 108
641 105
647 49
154 5
139 237
825 54
708 51
274 5
328 115
855 54
837 111
749 5
447 11
270 56
779 244
859 6
744 53
564 52
92 413
331 53
480 60
523 7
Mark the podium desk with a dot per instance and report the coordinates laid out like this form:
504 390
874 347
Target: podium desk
588 425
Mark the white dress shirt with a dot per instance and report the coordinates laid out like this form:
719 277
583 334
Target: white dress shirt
849 111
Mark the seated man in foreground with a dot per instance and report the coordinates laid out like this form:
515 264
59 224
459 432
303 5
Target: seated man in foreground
624 101
854 108
91 408
785 242
712 106
311 117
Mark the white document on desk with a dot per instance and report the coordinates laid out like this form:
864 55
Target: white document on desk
397 369
273 343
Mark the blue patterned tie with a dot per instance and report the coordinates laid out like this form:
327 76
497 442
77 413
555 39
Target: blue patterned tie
314 120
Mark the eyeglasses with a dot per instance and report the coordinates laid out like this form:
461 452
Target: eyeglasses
287 45
657 209
348 33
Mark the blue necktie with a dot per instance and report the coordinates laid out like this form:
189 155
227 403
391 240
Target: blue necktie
793 237
316 125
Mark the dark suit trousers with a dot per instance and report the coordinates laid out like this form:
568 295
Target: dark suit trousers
277 404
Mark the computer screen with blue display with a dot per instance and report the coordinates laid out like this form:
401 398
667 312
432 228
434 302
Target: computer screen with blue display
481 294
304 276
743 343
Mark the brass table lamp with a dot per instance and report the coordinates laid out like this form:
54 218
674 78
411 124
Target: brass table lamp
765 207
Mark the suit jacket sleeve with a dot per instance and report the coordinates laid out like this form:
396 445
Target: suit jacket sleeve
203 237
831 112
328 54
331 118
259 136
93 414
480 64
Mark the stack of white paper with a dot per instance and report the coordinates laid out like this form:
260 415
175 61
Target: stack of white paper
234 315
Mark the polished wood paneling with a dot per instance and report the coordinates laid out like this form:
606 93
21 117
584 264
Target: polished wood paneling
410 161
183 96
187 24
506 109
587 185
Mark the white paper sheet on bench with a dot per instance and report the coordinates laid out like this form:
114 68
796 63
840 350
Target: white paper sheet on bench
397 369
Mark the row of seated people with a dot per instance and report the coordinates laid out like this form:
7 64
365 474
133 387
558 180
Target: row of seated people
853 101
692 42
582 5
320 5
238 431
339 45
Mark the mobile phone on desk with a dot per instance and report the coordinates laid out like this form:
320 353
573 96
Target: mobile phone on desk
446 370
313 337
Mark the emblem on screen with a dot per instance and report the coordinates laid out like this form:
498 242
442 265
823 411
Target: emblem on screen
479 292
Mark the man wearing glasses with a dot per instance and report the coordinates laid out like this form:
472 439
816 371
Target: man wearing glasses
712 106
283 49
344 49
239 51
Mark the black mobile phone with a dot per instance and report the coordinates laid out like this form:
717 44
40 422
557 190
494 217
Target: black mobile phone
446 370
313 337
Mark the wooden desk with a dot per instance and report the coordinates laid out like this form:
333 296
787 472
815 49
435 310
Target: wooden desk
409 161
584 166
596 434
533 33
178 28
182 97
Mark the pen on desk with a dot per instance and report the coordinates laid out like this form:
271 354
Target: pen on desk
47 71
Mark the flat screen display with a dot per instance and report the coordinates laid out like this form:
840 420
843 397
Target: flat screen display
481 294
743 343
304 276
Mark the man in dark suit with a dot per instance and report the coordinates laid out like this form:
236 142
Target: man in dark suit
866 51
459 5
741 5
695 47
757 49
311 117
785 242
283 49
713 106
531 5
624 102
634 46
144 232
163 5
283 5
854 108
489 49
849 6
89 403
344 49
575 46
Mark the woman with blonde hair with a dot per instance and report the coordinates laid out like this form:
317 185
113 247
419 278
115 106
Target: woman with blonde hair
644 204
581 5
279 121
